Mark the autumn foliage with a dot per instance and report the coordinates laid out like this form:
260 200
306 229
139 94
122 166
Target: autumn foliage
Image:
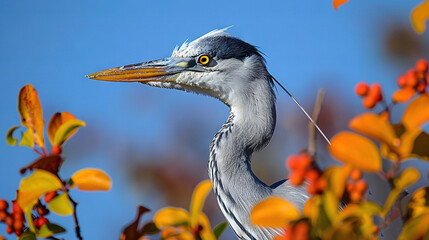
43 191
339 207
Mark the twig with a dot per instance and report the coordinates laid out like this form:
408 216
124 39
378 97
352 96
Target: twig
76 222
38 152
311 127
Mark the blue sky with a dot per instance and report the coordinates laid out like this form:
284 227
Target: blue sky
54 44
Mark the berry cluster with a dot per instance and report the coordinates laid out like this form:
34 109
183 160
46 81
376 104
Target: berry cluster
415 80
356 187
303 169
14 220
371 94
297 231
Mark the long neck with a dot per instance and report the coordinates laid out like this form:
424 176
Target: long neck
249 128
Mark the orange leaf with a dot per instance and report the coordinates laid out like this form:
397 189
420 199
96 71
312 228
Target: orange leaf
274 212
356 150
91 180
55 123
419 16
198 197
30 109
417 113
338 3
403 95
374 126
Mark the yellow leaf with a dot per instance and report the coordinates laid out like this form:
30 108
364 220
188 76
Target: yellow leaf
374 126
30 109
330 203
407 177
206 232
419 16
198 197
356 150
55 123
33 187
171 217
415 227
337 178
417 113
91 179
274 212
61 205
27 138
338 3
66 130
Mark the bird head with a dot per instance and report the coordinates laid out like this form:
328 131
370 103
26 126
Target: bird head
216 64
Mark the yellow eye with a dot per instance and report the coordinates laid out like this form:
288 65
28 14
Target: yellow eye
204 60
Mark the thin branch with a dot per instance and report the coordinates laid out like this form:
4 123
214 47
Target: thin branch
76 222
38 152
311 127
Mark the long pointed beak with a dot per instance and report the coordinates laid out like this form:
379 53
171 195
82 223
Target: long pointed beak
166 69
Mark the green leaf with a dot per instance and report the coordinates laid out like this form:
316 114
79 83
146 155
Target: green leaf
33 187
27 138
219 229
66 130
407 178
50 229
9 136
149 229
61 205
27 236
416 227
420 147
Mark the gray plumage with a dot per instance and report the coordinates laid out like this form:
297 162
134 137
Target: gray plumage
236 75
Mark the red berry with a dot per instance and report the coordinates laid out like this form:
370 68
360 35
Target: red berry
16 208
49 196
312 189
401 81
361 186
3 215
375 92
18 216
421 87
422 66
293 162
411 79
369 102
312 175
362 89
9 221
56 150
350 187
3 205
355 196
297 177
356 175
304 161
9 230
42 221
321 184
18 232
18 225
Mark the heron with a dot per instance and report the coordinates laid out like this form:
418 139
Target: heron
225 67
